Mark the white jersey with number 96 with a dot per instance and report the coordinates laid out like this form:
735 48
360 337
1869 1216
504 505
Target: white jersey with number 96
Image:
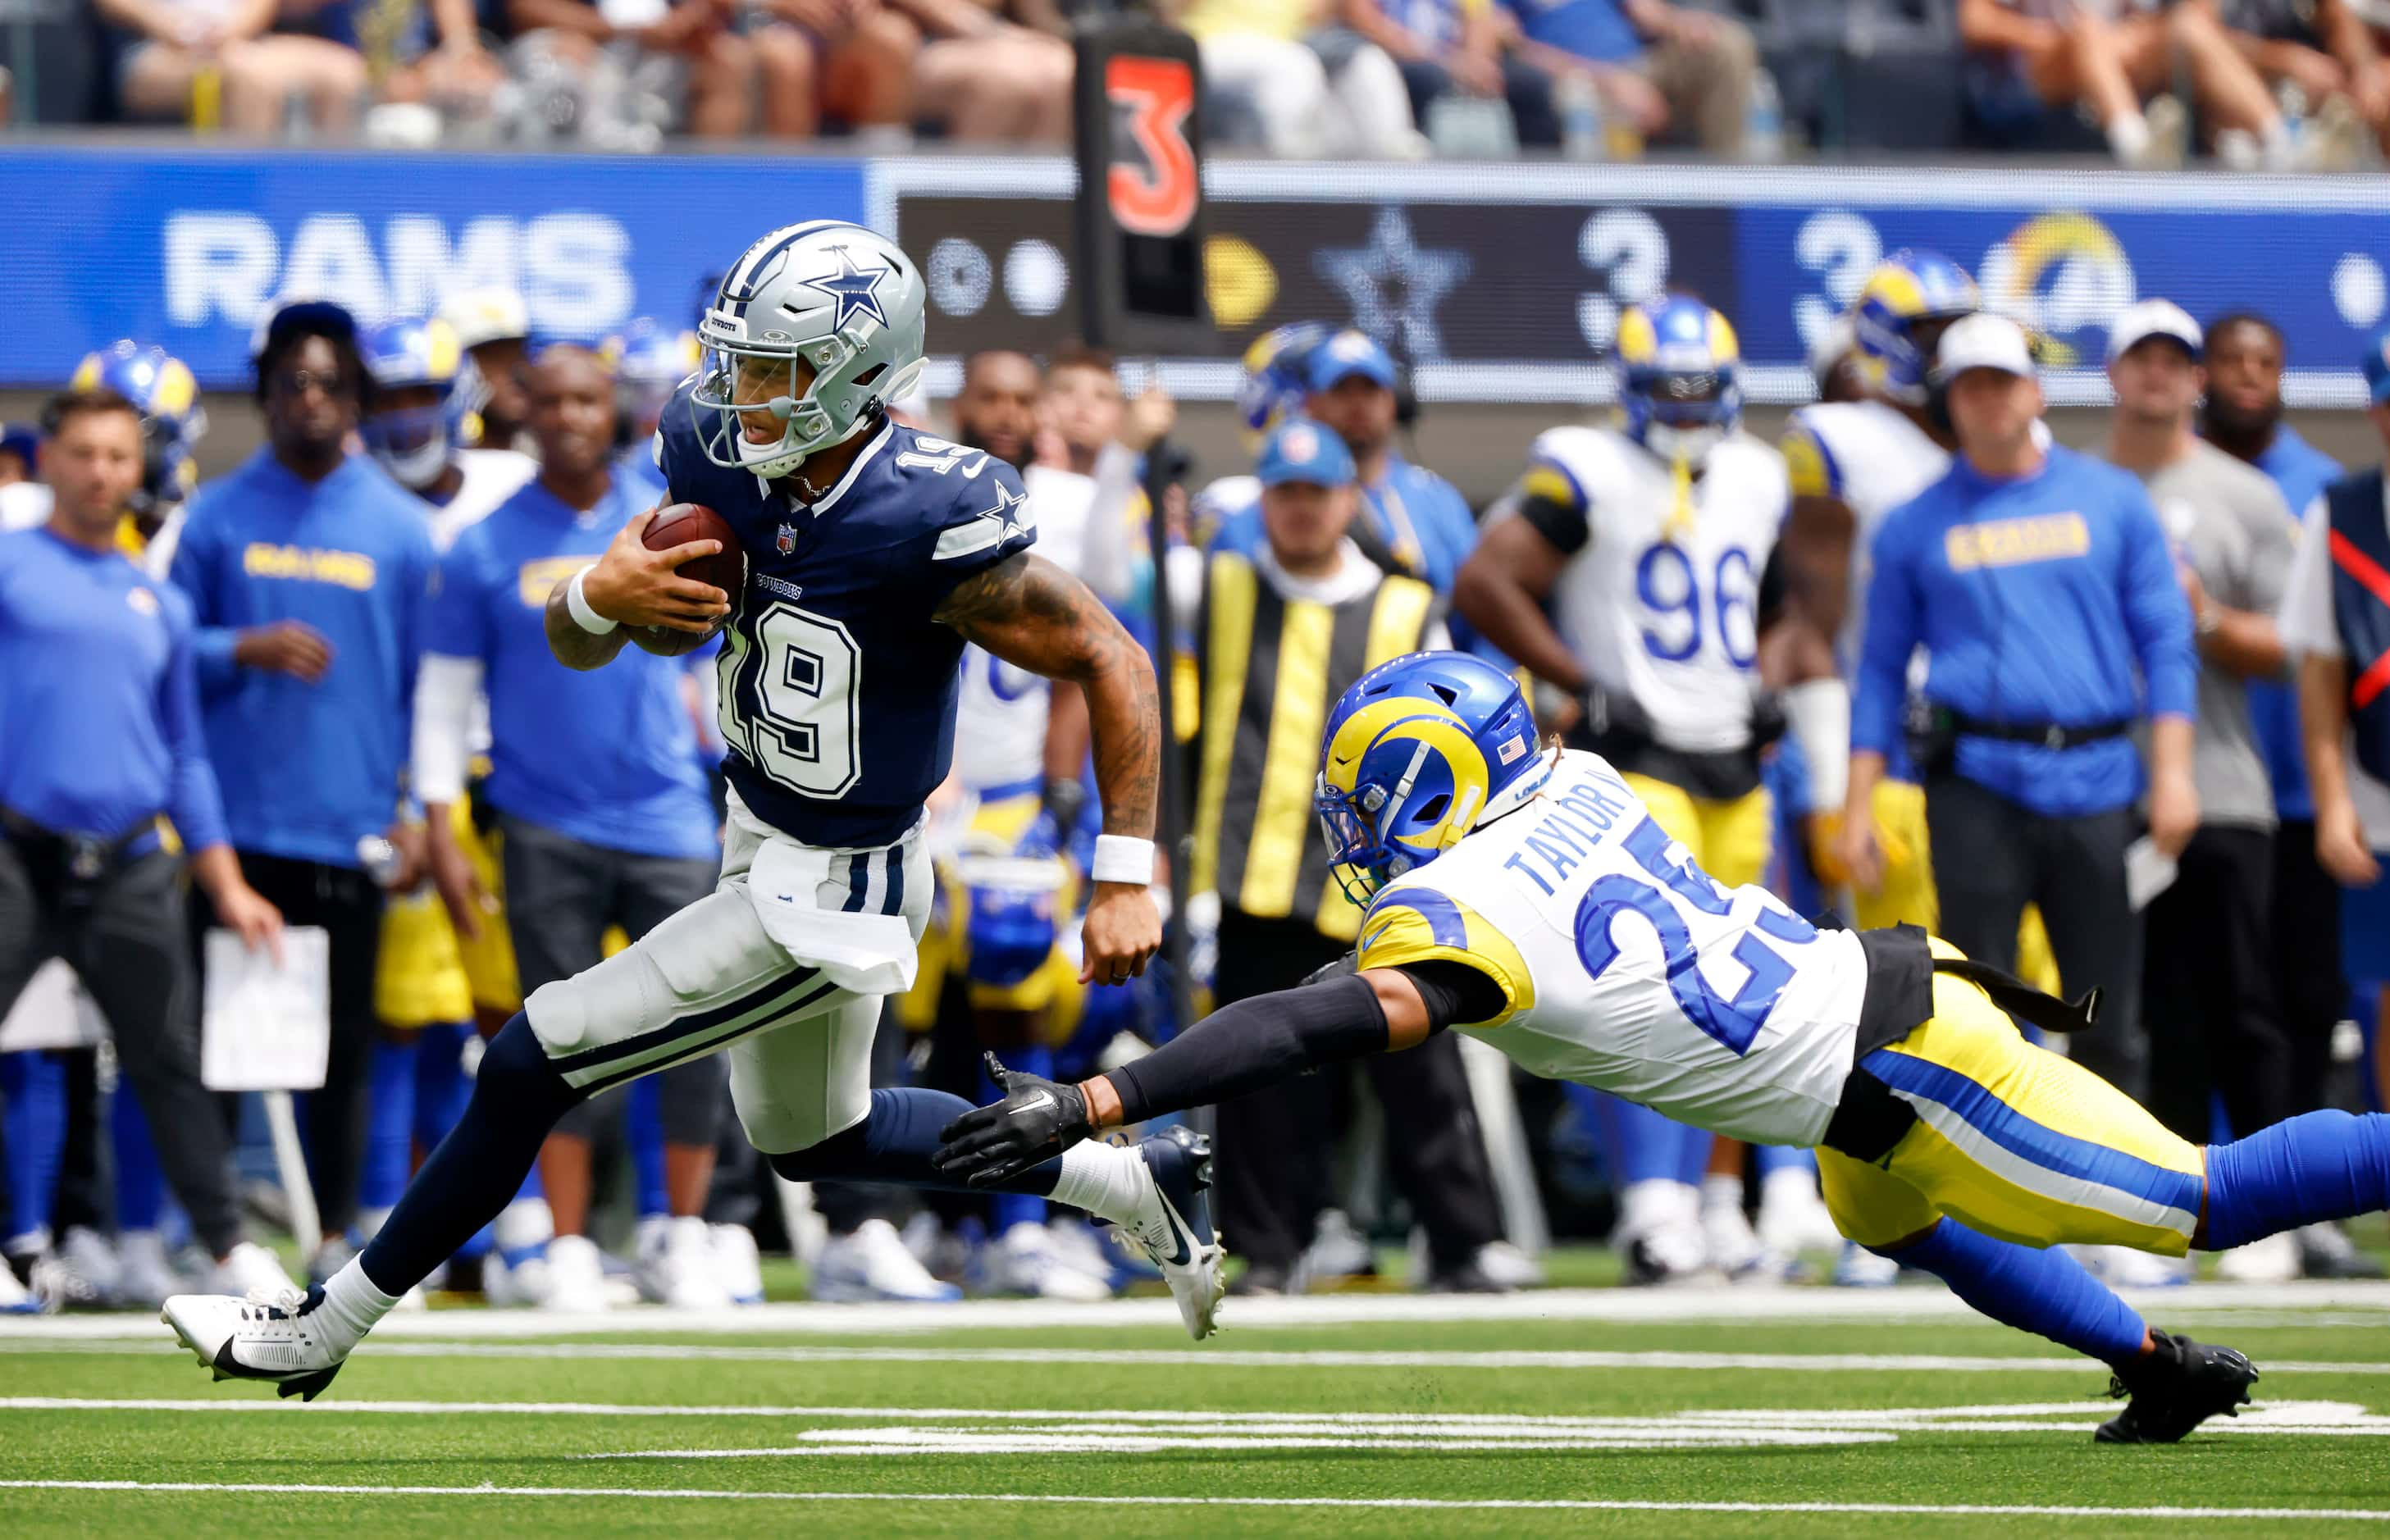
1624 966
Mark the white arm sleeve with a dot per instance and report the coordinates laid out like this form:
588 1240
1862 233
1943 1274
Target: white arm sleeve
1104 557
2306 618
1819 712
445 689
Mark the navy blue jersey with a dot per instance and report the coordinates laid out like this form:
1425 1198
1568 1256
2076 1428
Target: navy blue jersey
837 689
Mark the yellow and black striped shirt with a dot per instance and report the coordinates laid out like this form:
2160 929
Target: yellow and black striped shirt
1271 667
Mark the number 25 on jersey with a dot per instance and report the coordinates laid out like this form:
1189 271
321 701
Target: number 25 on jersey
1733 1019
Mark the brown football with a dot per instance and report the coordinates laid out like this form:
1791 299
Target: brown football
678 525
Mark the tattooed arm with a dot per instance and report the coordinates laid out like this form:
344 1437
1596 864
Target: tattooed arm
1031 613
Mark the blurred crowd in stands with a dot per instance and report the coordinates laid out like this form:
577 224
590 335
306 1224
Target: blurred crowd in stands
2276 84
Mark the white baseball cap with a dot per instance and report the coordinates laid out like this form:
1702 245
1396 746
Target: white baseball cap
2155 318
1982 341
490 314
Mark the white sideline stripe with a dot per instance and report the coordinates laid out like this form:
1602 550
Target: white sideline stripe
1595 1504
1092 1419
1872 1307
1224 1358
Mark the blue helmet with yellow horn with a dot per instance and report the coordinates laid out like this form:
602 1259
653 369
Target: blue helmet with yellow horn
1899 316
1679 376
427 396
1412 754
162 389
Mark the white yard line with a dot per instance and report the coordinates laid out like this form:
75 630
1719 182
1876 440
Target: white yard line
1619 1305
1856 1363
2020 1510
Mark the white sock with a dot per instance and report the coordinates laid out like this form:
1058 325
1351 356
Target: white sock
1104 1179
1720 1192
2128 135
352 1305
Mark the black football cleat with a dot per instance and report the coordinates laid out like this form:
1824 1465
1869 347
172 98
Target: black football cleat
2175 1389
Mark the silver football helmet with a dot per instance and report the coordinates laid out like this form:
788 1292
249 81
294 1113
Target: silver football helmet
829 303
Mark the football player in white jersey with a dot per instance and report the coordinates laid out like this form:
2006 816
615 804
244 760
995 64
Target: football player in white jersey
1529 898
1851 464
1645 541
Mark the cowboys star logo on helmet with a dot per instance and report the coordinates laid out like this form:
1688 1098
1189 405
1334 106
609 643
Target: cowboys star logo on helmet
854 290
815 327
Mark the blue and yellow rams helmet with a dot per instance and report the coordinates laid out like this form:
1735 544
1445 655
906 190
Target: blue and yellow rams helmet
1899 315
1680 372
649 360
1278 376
162 390
1413 752
414 440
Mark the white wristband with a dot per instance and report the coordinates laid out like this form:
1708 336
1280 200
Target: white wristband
1123 858
578 603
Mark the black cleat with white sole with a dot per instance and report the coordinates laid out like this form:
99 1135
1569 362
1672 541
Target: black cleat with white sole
2175 1389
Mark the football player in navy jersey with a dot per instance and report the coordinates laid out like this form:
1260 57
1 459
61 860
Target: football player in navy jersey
873 552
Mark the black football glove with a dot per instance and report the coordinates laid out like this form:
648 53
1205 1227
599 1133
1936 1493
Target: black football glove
1037 1120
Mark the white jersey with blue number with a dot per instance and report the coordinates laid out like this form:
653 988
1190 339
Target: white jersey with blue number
1662 603
1000 721
1871 457
1625 966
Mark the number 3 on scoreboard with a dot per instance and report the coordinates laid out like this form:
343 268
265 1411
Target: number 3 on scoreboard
789 700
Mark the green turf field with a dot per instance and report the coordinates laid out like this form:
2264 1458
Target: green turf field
1582 1411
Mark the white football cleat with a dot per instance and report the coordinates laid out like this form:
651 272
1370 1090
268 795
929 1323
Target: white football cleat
249 1268
1792 1216
145 1276
1173 1225
2123 1267
1026 1260
2274 1259
273 1337
683 1271
95 1260
1859 1268
15 1297
872 1264
738 1264
576 1277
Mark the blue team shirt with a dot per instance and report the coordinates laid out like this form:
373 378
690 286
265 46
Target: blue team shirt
99 696
308 770
608 756
1591 29
2047 599
2302 471
1420 516
637 468
837 689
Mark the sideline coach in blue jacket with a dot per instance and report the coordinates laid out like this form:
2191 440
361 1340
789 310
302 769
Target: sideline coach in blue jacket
2040 587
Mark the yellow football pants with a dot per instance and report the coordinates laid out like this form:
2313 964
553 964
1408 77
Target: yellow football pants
1908 895
425 972
2013 1141
1729 840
